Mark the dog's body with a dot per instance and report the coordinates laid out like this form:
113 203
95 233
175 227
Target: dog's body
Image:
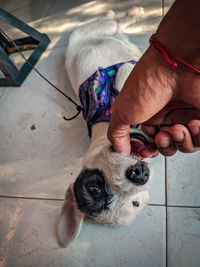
111 187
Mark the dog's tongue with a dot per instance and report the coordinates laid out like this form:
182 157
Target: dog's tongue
138 142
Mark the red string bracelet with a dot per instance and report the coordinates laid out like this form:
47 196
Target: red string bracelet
171 59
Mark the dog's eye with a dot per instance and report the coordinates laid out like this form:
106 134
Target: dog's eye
112 148
94 190
136 204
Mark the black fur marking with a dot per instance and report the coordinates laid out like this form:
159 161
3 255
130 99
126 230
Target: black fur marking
136 204
112 149
92 192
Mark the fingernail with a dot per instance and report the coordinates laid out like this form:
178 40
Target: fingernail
194 129
164 143
178 136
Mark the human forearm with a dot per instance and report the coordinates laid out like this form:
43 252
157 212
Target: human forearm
179 31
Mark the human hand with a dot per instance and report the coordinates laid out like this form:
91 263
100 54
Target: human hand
166 102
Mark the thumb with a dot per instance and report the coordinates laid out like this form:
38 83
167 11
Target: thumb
143 95
118 134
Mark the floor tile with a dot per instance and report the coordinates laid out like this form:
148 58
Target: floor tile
157 184
63 17
27 10
39 162
183 179
2 90
27 238
183 237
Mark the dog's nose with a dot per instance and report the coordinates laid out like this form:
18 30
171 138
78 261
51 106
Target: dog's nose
138 174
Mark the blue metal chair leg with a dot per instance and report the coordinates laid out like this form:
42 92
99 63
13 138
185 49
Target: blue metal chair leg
36 40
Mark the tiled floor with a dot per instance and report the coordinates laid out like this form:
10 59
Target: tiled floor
37 165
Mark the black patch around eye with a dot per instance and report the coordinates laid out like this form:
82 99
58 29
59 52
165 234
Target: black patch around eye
92 192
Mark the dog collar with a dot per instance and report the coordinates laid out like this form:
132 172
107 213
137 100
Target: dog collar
98 93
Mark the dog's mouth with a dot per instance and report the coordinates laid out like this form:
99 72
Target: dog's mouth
138 142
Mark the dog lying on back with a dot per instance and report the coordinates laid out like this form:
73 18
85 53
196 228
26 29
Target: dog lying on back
110 189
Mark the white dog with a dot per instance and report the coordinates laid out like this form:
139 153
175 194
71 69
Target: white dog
111 187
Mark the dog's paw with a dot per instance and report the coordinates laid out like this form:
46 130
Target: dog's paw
136 12
110 14
131 17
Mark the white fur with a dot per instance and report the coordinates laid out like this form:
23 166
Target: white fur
100 44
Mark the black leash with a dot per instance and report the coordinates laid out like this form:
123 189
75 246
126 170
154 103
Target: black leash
79 108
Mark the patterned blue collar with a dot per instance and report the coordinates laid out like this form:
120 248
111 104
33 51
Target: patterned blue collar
98 93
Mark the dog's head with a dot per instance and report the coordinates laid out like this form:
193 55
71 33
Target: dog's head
110 189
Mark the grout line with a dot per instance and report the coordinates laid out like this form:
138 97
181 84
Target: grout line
32 198
165 171
2 91
174 206
62 199
156 205
15 9
185 207
166 214
166 188
46 13
163 7
166 192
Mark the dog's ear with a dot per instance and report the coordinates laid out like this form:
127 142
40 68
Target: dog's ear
70 221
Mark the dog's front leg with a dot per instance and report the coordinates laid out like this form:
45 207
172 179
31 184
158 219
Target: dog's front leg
122 75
